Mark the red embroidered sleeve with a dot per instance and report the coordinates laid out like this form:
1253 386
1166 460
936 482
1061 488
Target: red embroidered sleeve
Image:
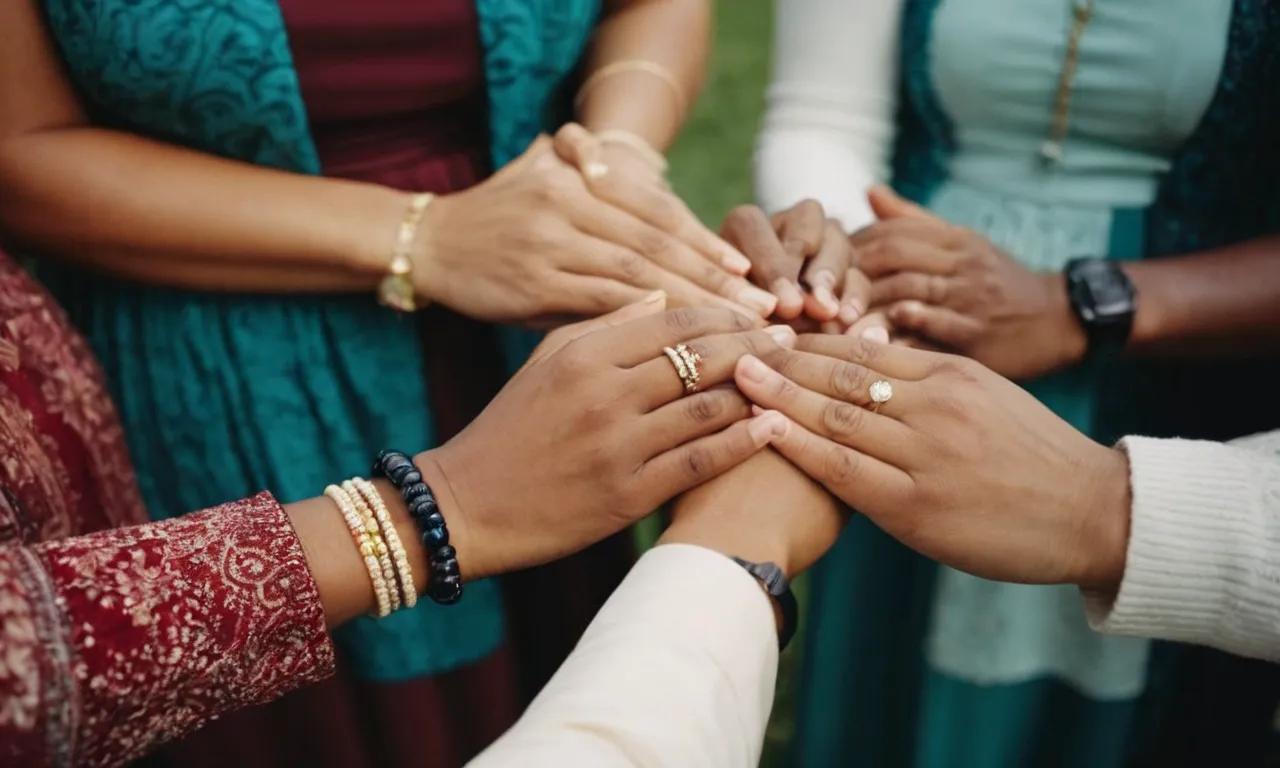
113 642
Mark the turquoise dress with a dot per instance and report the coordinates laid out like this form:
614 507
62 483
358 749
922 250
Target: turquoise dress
224 395
933 667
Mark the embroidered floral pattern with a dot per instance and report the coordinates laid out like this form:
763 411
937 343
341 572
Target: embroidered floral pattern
112 642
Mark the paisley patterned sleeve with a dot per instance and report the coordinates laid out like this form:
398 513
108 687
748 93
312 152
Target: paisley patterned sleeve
113 642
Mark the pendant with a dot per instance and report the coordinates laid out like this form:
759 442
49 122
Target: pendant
1051 153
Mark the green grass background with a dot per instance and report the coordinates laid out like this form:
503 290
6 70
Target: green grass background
711 170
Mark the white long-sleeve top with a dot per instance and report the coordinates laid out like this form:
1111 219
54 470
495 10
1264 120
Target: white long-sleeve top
829 118
678 668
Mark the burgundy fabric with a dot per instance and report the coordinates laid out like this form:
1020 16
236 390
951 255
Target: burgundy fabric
395 93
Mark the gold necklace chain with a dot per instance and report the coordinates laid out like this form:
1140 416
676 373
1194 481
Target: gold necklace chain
1051 149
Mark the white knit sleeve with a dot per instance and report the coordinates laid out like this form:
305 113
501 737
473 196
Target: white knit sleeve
1204 546
829 119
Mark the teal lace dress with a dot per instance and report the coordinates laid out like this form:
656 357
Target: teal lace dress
911 664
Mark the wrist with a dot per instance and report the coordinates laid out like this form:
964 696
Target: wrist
428 274
474 559
1105 531
370 243
718 533
1063 328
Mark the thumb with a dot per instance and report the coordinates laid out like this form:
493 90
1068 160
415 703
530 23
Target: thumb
887 204
557 339
580 148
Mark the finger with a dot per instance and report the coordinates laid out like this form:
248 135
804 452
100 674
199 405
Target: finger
856 296
889 255
916 286
826 271
657 380
844 422
660 208
581 149
937 324
772 264
554 341
887 204
583 254
643 340
610 224
805 221
863 482
692 417
873 327
588 295
694 463
894 362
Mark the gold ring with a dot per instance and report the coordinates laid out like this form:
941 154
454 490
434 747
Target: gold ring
686 362
881 392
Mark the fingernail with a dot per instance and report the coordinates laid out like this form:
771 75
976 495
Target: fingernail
787 293
876 334
783 335
752 369
595 170
767 427
851 311
826 297
761 301
657 297
734 262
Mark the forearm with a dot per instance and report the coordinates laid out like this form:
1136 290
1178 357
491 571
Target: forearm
674 35
677 669
151 211
1214 304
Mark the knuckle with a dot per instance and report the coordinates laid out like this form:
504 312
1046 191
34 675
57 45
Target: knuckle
840 418
847 380
839 467
685 320
702 410
658 244
697 462
631 266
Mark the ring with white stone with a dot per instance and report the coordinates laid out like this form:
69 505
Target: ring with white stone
881 392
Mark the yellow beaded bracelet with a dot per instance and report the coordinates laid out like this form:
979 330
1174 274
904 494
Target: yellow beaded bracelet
380 547
365 543
404 572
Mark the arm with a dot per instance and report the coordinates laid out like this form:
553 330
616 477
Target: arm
673 34
155 212
829 120
679 666
1204 541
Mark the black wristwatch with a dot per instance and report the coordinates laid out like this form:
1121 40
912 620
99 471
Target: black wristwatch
775 583
1104 301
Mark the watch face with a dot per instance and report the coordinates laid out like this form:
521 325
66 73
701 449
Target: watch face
1107 291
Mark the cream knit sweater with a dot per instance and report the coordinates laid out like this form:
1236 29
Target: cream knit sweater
1204 548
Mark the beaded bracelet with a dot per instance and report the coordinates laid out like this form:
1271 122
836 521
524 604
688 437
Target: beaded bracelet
445 583
380 547
404 572
365 542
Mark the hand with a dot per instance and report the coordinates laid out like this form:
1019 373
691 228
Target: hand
763 510
595 434
960 464
953 288
799 249
533 242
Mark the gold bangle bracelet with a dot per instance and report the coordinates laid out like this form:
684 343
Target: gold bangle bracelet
364 543
651 156
635 65
396 289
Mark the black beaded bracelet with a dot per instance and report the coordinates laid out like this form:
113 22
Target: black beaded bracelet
445 584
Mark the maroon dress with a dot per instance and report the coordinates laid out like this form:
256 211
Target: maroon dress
395 94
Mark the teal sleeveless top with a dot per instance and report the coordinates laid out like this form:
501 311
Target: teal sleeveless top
223 395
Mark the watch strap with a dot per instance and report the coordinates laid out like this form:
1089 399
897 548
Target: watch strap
776 584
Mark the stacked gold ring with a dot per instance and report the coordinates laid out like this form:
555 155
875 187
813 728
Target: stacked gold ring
686 362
